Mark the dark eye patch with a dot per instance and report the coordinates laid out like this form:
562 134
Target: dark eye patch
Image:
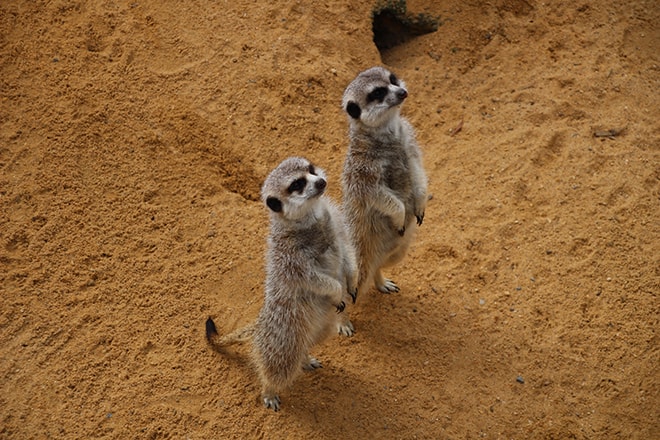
297 185
354 110
378 94
394 80
274 204
312 171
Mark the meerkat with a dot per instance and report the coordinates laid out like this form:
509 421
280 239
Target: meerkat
310 274
384 183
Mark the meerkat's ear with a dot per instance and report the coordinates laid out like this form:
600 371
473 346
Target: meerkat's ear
274 204
353 109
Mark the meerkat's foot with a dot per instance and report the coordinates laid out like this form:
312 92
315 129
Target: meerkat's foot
388 286
346 328
272 401
312 364
385 285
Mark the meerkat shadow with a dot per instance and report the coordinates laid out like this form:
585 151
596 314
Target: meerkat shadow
333 403
396 322
235 359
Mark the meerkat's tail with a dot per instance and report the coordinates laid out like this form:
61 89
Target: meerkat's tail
237 336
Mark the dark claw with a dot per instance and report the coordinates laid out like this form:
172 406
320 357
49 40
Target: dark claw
420 219
341 307
401 231
273 403
354 294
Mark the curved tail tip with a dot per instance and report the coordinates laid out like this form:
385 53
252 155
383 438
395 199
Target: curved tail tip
210 329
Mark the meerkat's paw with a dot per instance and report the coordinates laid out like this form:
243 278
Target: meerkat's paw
272 402
312 364
351 285
383 284
420 206
399 221
346 328
353 294
388 286
340 307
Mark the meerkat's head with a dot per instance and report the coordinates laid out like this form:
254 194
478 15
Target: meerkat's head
374 97
292 190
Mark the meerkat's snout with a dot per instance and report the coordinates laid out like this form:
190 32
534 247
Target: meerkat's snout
400 95
320 185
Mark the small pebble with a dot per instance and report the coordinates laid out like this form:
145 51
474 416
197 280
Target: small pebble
482 301
520 379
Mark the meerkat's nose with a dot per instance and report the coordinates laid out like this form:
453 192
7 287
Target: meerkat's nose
320 184
402 93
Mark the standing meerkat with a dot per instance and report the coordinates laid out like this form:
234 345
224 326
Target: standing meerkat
384 184
310 272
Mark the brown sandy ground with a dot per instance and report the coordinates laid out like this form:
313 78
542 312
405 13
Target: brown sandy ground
134 137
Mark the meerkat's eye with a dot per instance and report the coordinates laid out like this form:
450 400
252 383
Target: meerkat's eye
312 171
297 185
394 80
377 94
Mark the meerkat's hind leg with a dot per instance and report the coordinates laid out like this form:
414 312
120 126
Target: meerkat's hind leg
383 284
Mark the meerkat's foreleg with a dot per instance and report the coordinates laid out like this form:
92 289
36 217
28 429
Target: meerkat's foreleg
420 192
390 205
351 277
326 285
